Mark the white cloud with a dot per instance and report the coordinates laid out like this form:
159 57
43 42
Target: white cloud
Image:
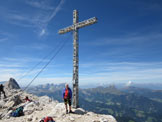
41 4
35 46
24 60
92 72
10 65
121 71
3 39
39 18
42 32
131 39
58 8
16 71
5 36
54 13
6 73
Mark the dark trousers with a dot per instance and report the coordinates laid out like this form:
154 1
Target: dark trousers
3 93
67 101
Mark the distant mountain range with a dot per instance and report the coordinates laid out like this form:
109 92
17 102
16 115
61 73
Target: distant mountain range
2 82
125 106
155 95
129 104
153 86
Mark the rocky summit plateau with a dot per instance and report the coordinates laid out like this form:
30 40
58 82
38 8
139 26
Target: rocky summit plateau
41 107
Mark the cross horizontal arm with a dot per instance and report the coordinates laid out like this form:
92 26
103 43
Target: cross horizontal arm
86 22
67 29
78 25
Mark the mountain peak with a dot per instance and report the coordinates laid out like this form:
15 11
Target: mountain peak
12 84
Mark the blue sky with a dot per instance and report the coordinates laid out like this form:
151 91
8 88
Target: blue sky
125 44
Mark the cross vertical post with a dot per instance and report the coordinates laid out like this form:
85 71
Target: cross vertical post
76 25
75 61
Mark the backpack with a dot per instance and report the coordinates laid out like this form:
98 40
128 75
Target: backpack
47 119
18 112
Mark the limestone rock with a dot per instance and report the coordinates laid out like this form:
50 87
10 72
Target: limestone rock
41 107
30 118
15 99
2 102
44 100
58 110
30 107
11 84
80 111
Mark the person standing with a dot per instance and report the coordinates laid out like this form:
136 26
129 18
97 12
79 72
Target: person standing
2 90
67 95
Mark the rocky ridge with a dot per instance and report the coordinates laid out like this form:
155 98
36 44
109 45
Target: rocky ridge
41 107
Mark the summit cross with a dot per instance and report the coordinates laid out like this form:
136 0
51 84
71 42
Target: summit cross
76 25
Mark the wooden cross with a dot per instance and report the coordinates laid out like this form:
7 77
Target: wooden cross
76 25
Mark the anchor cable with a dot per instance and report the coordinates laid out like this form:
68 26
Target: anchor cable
60 48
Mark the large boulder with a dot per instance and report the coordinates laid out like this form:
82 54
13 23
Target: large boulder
11 84
13 101
58 110
44 100
79 111
30 107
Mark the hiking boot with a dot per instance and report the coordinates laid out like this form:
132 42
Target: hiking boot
66 111
71 111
